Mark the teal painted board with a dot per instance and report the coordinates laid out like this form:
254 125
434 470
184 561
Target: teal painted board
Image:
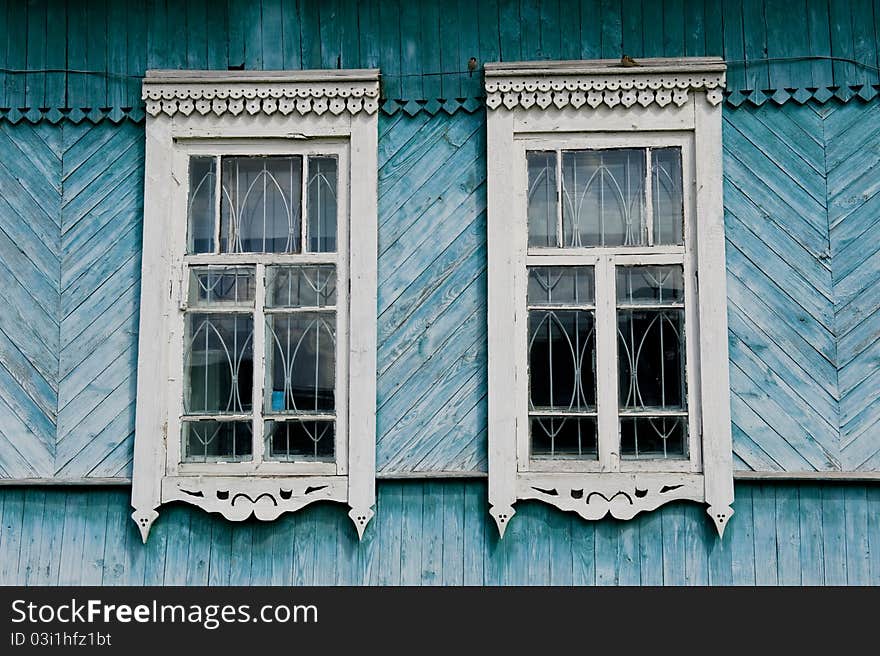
423 47
765 543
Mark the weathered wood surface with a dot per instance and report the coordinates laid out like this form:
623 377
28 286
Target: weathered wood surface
93 53
441 533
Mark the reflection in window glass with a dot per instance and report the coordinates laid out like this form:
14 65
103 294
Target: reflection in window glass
200 209
542 214
666 182
603 200
213 441
563 437
219 363
650 285
221 286
298 440
322 204
301 286
261 204
561 286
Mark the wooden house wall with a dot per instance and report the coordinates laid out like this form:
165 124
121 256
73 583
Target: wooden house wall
90 54
801 201
432 533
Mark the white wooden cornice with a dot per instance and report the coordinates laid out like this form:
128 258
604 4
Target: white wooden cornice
173 92
594 83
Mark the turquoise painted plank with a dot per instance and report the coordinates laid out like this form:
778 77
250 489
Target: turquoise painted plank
536 546
591 30
216 49
673 545
117 83
873 501
114 570
608 533
253 39
509 27
94 540
410 56
698 535
56 53
858 560
819 35
77 29
476 532
235 46
391 533
674 36
198 557
450 64
452 540
261 567
177 545
12 535
741 536
763 517
49 563
291 24
4 77
413 499
570 29
221 553
242 554
810 535
76 523
303 548
468 46
29 549
35 84
431 535
583 552
788 539
136 50
629 556
612 30
429 50
369 551
16 53
755 41
272 34
348 555
549 27
530 35
721 553
349 35
651 549
280 551
840 13
197 33
513 554
632 30
834 534
310 37
695 28
389 56
864 43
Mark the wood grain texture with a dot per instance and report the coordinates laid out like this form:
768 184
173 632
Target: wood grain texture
433 533
423 48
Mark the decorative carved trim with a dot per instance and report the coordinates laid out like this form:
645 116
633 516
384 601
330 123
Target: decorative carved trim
237 498
253 92
144 519
502 515
361 516
623 496
591 84
720 515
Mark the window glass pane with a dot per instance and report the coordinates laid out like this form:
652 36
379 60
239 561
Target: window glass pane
301 362
322 204
542 198
603 197
260 207
212 441
666 184
221 286
218 363
562 360
296 440
653 437
651 359
650 285
560 437
301 286
200 210
561 286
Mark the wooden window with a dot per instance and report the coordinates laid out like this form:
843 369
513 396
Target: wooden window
606 288
259 292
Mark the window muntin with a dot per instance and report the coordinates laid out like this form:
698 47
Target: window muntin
616 216
261 315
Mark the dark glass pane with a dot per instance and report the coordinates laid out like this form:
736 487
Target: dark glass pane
562 360
301 367
322 204
555 437
207 441
650 353
200 211
650 285
296 440
542 198
301 286
221 286
561 286
260 208
666 183
603 197
653 437
219 363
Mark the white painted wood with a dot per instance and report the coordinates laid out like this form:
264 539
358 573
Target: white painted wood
246 114
590 105
714 359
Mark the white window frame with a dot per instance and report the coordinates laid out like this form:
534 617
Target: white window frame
209 113
544 106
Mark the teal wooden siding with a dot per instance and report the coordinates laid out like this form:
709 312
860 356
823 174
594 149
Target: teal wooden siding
433 533
801 218
802 203
88 56
71 215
